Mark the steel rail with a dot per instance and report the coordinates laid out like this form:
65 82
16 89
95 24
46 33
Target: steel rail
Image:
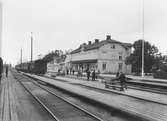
142 88
40 102
76 106
116 92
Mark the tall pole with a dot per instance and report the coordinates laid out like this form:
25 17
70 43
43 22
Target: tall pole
31 51
143 43
1 28
21 57
31 46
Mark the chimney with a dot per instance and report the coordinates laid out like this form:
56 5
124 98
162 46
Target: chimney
108 37
96 40
84 43
89 42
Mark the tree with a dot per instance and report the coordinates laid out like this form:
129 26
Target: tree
150 52
49 57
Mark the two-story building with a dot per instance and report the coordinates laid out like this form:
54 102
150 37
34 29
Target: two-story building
106 56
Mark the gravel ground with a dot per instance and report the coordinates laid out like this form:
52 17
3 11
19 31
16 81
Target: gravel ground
103 113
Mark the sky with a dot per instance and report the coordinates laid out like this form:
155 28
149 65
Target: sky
65 24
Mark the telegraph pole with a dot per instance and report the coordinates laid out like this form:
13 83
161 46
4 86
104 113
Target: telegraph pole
142 71
31 46
31 51
21 57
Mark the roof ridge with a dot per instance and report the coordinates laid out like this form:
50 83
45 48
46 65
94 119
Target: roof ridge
95 45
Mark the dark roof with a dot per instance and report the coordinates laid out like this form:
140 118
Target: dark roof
99 44
85 61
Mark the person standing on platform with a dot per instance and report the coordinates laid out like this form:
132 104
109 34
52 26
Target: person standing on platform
88 74
1 68
93 75
73 71
7 71
122 79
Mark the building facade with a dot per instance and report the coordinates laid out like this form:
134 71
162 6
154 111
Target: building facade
106 56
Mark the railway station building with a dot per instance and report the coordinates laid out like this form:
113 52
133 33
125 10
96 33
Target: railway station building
105 56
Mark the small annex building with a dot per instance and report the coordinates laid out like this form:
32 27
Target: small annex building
56 64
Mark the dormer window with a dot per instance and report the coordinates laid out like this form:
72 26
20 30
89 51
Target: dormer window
113 46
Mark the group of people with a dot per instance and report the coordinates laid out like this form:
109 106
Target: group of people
91 73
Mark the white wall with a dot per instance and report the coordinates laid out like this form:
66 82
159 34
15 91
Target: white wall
110 56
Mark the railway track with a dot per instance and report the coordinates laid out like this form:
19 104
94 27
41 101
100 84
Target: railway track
148 89
115 92
59 108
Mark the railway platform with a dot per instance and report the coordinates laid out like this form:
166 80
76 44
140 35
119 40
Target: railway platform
8 103
141 108
134 79
138 78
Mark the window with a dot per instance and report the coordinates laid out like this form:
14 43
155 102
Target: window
120 57
104 66
120 65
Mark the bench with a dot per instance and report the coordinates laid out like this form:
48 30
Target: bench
113 84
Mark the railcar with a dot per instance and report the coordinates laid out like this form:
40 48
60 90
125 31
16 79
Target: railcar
37 67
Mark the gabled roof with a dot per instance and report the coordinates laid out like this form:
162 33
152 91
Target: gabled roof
97 45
